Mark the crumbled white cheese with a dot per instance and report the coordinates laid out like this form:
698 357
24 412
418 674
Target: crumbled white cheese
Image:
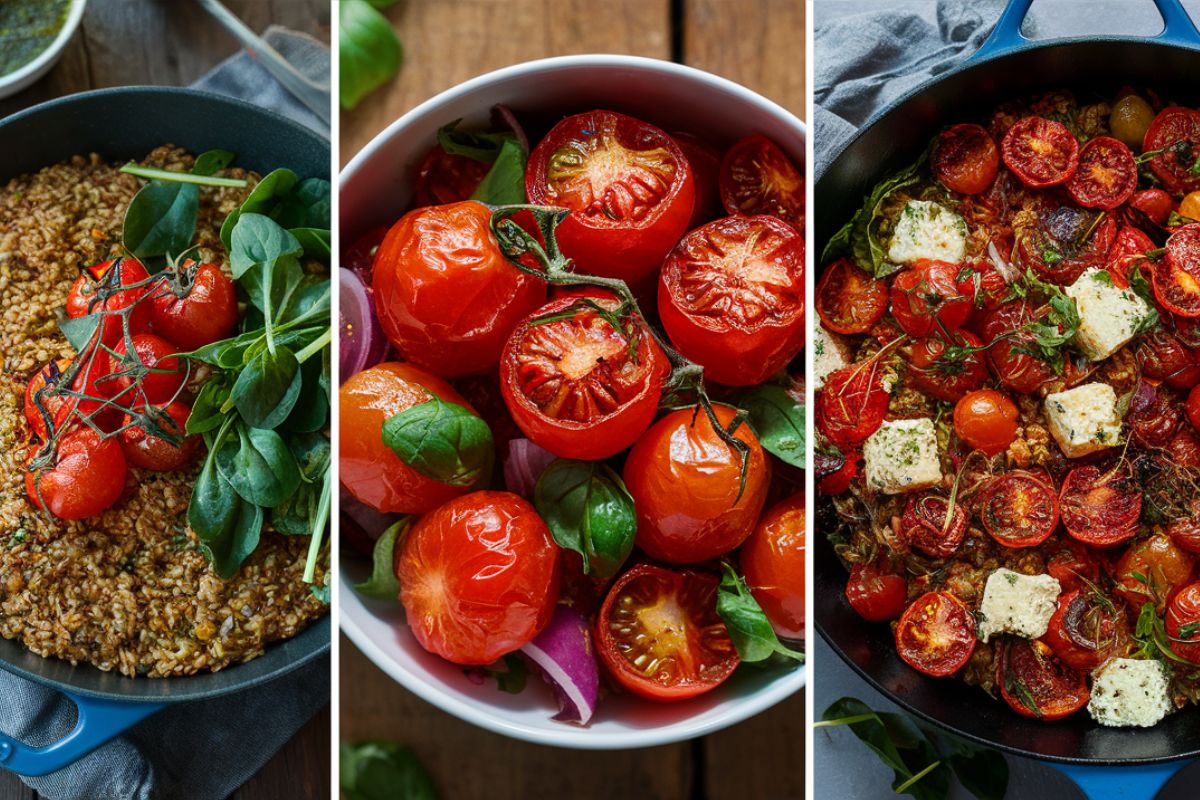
927 230
830 354
1108 316
1129 692
902 456
1017 604
1084 419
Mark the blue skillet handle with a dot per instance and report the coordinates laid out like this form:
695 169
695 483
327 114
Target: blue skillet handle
1178 28
1121 783
99 722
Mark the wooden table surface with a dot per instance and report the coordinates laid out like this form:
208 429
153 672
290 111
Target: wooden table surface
759 43
174 42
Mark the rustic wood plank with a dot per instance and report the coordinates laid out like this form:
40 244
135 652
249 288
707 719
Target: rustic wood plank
758 43
451 40
301 769
373 706
773 742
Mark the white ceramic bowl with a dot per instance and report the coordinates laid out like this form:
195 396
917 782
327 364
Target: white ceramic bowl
16 81
374 190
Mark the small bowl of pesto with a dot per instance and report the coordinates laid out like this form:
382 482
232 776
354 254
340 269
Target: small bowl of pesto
33 34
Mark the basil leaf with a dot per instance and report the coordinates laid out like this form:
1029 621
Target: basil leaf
268 388
161 219
472 144
382 771
206 414
590 511
505 182
369 51
259 241
748 626
778 421
443 441
383 583
259 466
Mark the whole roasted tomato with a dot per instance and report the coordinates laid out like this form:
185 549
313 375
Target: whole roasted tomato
731 297
877 594
152 374
197 306
986 420
925 298
628 187
45 393
478 577
965 158
1004 330
83 298
948 371
932 526
852 403
148 451
1152 571
1183 623
848 299
772 561
686 485
87 477
445 295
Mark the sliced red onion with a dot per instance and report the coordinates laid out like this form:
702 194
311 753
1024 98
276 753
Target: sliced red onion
362 341
563 654
1143 397
523 465
507 116
373 523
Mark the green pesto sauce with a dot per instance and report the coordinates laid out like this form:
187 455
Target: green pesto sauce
27 28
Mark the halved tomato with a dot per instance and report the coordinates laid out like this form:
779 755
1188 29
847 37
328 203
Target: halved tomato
1019 509
1035 683
1176 277
1107 174
1154 415
852 403
1101 508
986 420
659 635
877 594
1176 131
848 299
444 178
983 282
1066 241
929 525
1086 629
936 634
1152 570
948 372
925 298
627 184
1183 623
965 158
1127 251
1041 152
1073 564
1184 447
1013 365
757 177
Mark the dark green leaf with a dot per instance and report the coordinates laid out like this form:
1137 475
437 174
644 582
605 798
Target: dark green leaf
382 771
206 412
443 441
748 626
259 241
212 161
512 675
383 584
312 453
314 197
778 420
505 182
262 198
285 276
268 387
80 331
317 242
311 410
589 511
228 527
472 144
161 219
292 516
259 466
368 49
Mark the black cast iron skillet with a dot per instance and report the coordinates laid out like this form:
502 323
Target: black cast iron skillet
121 124
1006 67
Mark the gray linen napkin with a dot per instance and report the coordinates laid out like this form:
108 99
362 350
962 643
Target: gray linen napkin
206 749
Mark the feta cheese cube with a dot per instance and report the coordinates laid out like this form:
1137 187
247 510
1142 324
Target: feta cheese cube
1017 604
927 230
902 456
1108 316
1084 419
830 353
1129 692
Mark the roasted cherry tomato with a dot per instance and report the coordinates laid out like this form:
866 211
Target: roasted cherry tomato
1183 623
757 177
88 476
925 295
628 187
1154 203
731 297
1176 277
848 299
1073 564
152 374
1127 252
478 577
1189 206
852 403
929 525
1193 407
705 161
840 479
1041 152
986 420
948 372
59 407
984 284
1163 357
576 385
1015 368
1152 570
370 470
144 449
965 158
82 299
445 295
876 594
772 561
1101 508
197 307
1176 132
1154 415
1185 532
936 634
685 484
1086 629
444 178
1107 174
1064 242
659 635
1130 118
1184 447
1035 683
1019 509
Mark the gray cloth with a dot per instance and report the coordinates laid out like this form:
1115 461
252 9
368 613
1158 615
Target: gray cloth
207 749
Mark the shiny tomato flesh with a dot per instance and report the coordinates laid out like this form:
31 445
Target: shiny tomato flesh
1100 509
936 634
1019 509
772 561
1036 684
757 177
849 300
875 593
87 477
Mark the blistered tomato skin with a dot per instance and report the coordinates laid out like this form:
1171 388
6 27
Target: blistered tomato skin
81 299
478 577
772 562
370 470
88 476
206 314
731 298
684 482
445 295
155 453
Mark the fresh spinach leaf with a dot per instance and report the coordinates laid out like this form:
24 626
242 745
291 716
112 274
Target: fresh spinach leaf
383 584
80 331
317 242
259 466
311 411
443 441
590 511
778 420
274 184
161 219
259 241
291 517
504 183
381 770
312 453
268 388
369 52
206 411
748 626
228 526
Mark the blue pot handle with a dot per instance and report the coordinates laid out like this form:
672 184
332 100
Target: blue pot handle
1121 783
1178 29
99 722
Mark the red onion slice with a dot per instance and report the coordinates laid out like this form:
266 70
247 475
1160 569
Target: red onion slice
523 465
563 654
362 341
507 116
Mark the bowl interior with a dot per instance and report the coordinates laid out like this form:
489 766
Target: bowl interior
375 190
